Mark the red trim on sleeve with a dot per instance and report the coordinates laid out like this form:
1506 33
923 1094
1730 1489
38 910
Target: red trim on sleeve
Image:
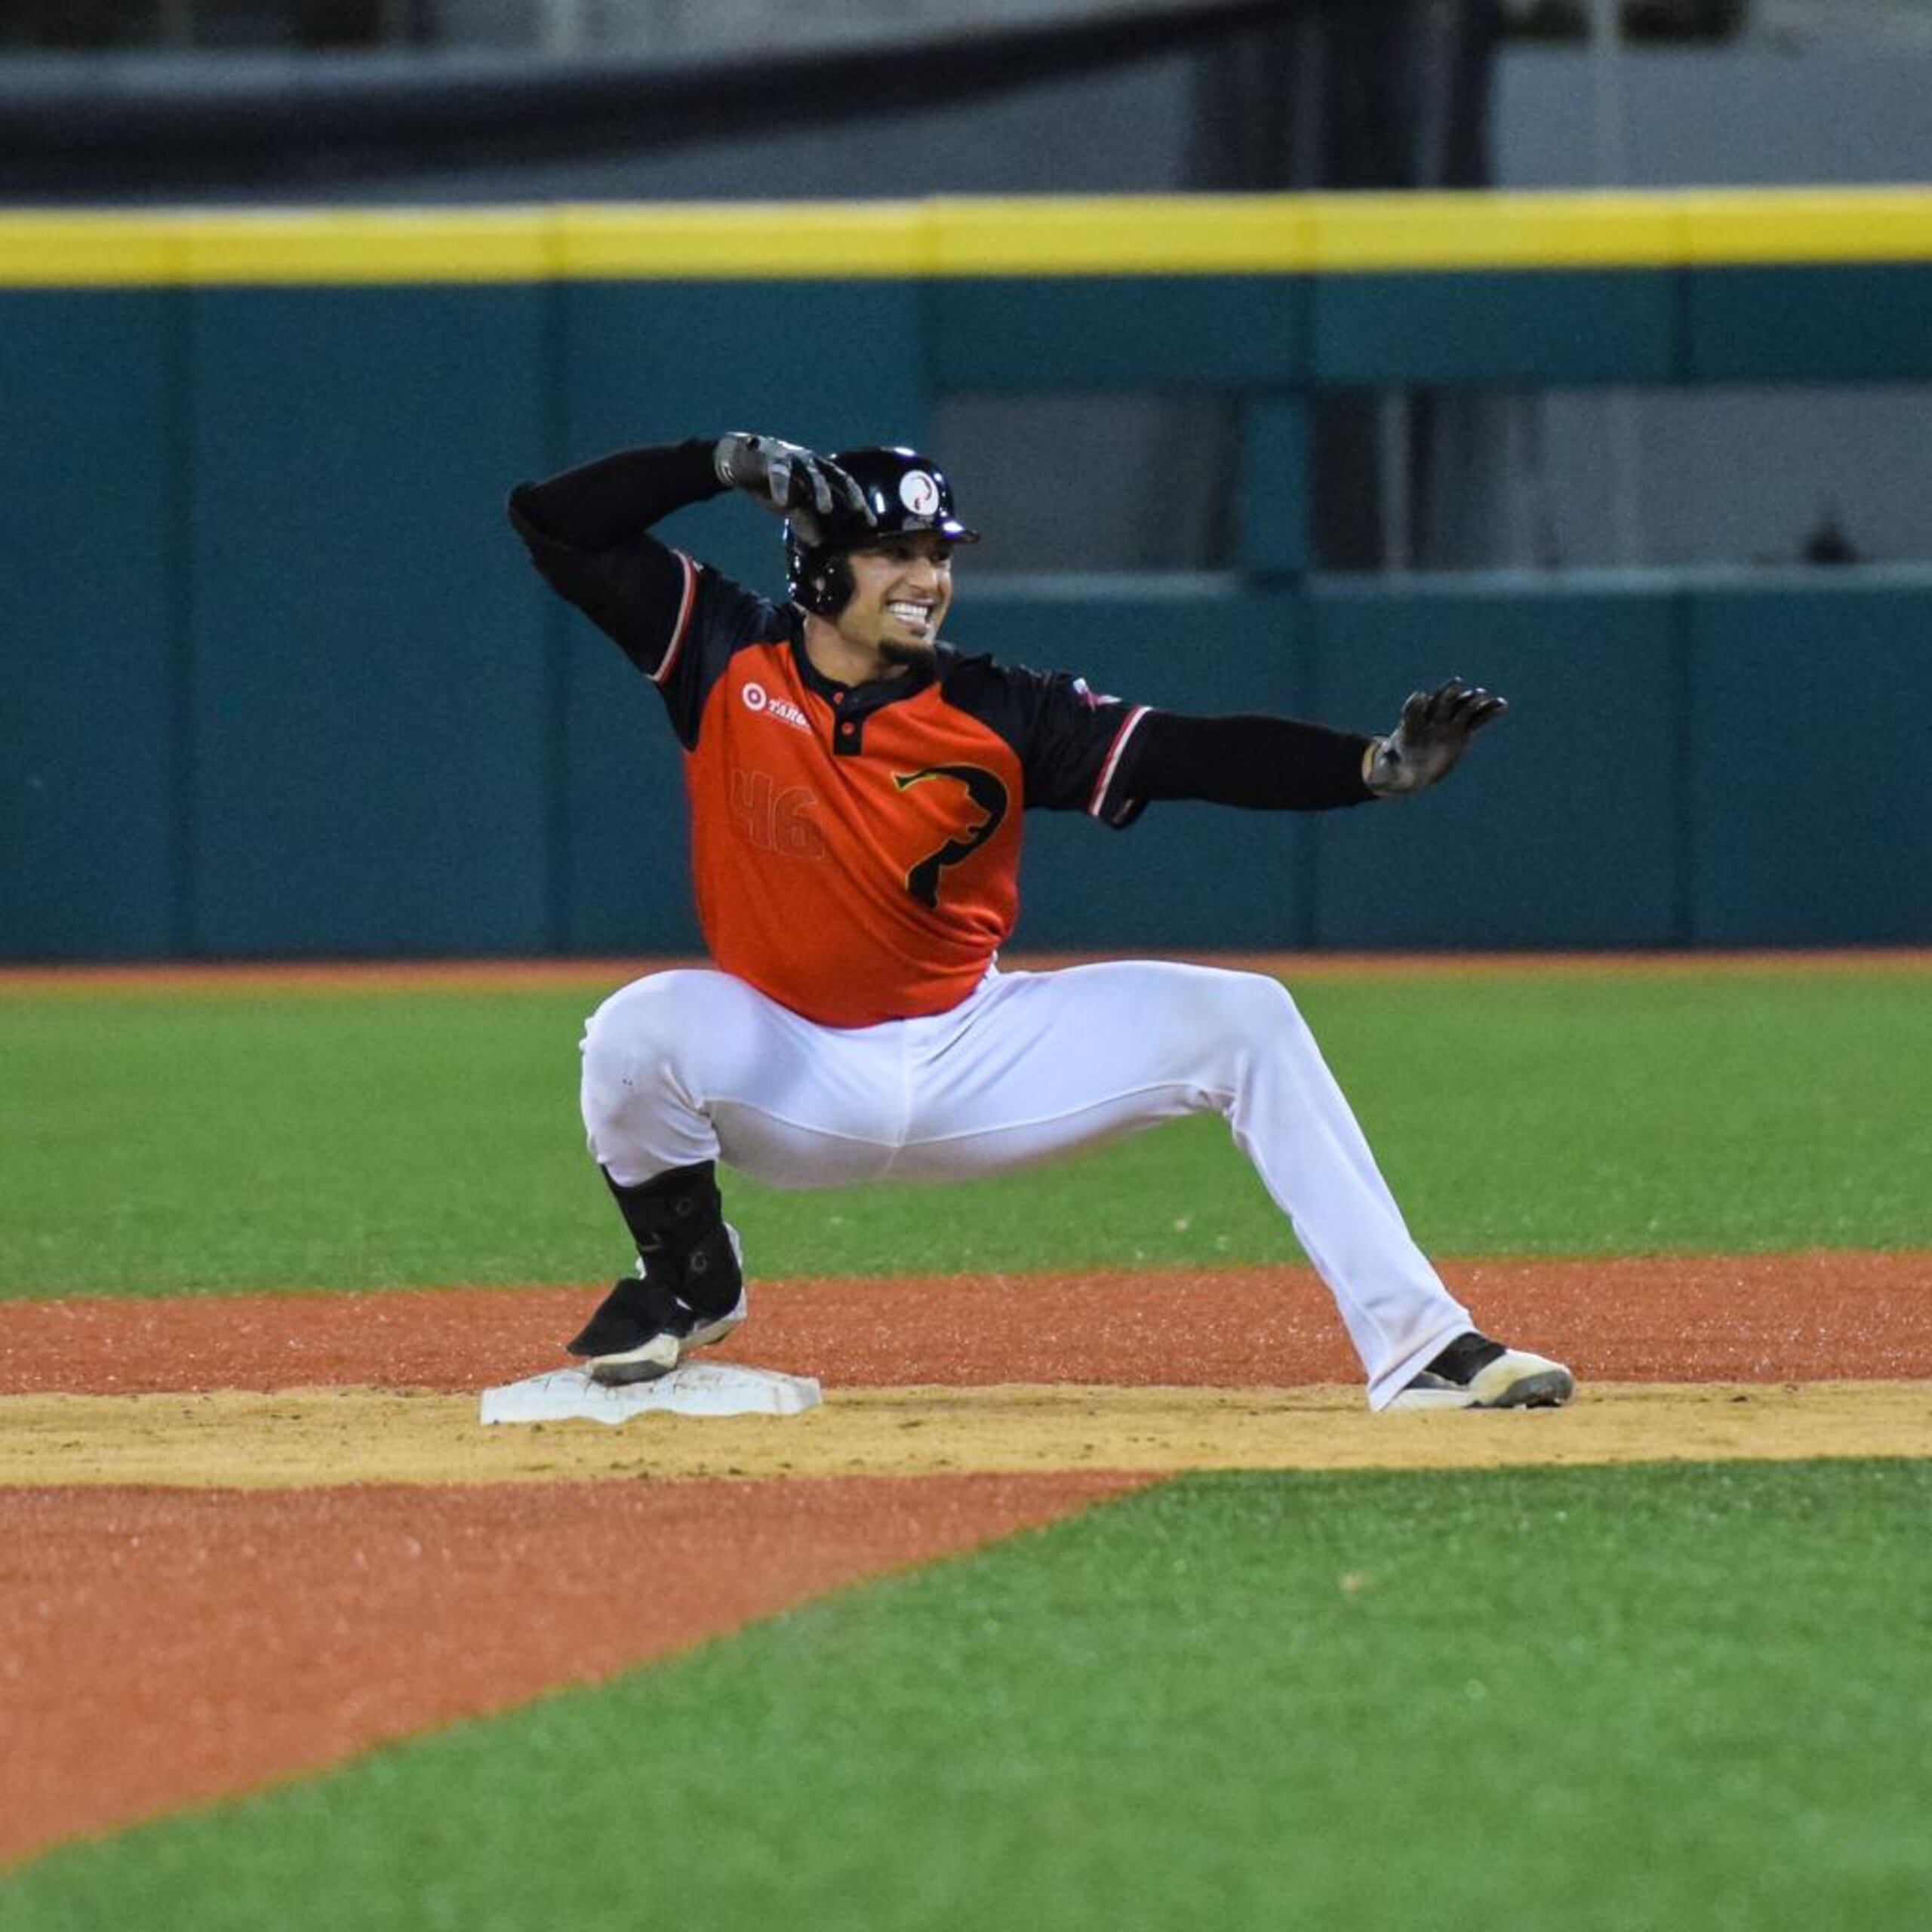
1119 745
681 627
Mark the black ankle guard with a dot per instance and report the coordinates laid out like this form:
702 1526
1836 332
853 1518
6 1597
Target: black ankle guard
712 1281
677 1219
673 1211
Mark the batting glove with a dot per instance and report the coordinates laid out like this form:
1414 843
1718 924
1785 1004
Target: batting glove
786 479
1436 729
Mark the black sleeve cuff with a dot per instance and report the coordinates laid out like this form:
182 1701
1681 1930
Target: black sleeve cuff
1266 763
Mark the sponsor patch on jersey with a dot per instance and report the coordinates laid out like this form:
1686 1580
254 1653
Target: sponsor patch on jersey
918 493
757 699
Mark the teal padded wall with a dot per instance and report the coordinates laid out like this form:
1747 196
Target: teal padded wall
280 680
621 860
1808 712
91 847
372 715
1525 326
1822 323
1564 827
1012 334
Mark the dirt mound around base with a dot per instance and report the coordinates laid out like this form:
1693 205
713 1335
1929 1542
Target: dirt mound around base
304 1438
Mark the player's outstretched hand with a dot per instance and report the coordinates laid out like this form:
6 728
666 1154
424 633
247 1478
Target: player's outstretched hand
1435 729
788 480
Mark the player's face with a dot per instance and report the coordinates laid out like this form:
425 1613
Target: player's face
901 590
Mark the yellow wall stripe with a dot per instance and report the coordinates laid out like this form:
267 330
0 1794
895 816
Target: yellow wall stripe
1475 231
752 240
1150 234
1810 226
1143 234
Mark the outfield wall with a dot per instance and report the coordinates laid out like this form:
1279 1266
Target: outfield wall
279 681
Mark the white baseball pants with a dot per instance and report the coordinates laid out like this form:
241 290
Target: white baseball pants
691 1066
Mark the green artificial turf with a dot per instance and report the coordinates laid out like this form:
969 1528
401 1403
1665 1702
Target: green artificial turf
160 1143
1679 1696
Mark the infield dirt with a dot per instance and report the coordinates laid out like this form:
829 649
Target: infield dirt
250 1536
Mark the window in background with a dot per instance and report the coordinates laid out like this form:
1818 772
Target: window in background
1456 479
1092 483
1665 478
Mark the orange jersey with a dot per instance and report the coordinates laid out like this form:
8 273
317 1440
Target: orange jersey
856 851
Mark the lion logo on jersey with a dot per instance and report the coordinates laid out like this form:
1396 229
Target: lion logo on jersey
987 793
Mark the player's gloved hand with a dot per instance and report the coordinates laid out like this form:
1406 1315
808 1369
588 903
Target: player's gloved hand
788 480
1435 729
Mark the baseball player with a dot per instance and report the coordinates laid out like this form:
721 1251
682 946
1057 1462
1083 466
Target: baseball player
856 790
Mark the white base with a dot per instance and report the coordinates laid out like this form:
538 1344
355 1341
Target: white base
698 1388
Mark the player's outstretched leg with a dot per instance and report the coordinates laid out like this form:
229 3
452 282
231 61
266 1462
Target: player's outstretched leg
1292 1120
1046 1064
689 1289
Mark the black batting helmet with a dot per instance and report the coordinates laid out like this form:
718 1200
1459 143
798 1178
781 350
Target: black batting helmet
904 492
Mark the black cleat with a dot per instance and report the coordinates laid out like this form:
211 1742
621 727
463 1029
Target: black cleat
642 1330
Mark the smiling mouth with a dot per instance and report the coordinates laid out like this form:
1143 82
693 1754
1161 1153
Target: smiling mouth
921 614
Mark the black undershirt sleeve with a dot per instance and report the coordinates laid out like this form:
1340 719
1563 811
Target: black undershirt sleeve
588 531
617 498
1267 764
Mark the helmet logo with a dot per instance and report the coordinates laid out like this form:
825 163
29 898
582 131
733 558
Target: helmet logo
918 493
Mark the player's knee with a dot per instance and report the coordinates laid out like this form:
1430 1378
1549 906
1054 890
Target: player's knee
631 1043
1257 1011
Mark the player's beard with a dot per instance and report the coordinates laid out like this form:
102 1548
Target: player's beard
908 654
